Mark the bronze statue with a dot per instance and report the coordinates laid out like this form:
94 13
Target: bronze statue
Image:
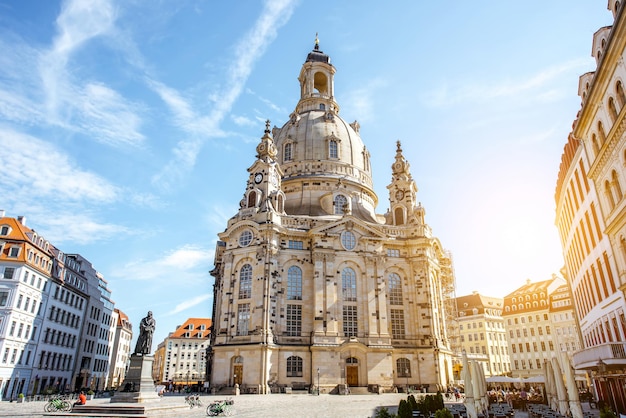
146 329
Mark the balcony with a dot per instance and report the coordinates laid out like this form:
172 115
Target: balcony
612 354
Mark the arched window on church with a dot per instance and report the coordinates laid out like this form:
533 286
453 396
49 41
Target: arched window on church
399 216
294 366
288 152
403 367
252 199
333 150
340 203
348 285
294 283
245 282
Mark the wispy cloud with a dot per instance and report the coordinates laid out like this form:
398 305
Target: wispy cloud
252 46
186 263
44 171
190 303
361 101
446 95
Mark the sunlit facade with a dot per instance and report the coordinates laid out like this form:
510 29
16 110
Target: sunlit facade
483 332
312 286
180 359
591 213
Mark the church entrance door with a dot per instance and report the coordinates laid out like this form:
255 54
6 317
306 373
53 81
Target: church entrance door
352 375
237 374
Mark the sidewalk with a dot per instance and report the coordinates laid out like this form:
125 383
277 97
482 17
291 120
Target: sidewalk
275 405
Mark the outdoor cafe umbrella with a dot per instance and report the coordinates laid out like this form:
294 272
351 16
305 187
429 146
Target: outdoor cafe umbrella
560 386
572 390
470 406
483 383
550 387
476 385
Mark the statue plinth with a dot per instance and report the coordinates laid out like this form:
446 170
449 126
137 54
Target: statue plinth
138 385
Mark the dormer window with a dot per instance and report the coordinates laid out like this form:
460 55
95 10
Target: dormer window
288 152
340 204
5 230
333 149
14 252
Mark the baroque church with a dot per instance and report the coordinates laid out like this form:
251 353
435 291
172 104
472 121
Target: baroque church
313 288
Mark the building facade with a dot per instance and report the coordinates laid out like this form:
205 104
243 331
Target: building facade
312 286
483 333
180 359
55 326
120 349
529 327
591 213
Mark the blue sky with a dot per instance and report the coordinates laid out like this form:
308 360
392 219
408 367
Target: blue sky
126 127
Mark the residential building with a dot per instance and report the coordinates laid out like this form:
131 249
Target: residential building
566 332
180 359
529 327
26 267
483 333
56 323
120 352
312 286
591 213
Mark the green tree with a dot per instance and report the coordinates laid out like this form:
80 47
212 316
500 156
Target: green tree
404 409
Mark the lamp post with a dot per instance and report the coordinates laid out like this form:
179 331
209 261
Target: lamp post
406 373
318 381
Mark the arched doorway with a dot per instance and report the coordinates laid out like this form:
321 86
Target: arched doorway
352 371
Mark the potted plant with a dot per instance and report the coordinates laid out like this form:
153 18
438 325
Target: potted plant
20 398
90 394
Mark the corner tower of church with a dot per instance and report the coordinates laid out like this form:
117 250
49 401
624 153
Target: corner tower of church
309 279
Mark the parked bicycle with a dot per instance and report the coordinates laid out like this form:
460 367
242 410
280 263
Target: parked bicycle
220 408
193 400
57 404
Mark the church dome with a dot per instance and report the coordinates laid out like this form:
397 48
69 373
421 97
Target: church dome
320 154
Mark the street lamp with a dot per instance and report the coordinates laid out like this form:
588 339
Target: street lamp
318 381
406 373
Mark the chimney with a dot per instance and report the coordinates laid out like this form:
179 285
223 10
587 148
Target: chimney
22 220
1 213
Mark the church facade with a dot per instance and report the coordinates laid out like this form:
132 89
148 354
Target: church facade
313 288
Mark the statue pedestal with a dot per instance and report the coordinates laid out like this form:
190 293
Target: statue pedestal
138 385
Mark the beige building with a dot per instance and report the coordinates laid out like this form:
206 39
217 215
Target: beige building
180 359
312 286
591 213
483 333
120 348
529 327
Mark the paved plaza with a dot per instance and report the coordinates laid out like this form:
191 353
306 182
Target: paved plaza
275 405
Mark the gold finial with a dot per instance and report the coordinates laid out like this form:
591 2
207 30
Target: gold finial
317 40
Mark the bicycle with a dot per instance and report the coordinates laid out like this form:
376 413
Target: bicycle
57 404
193 400
220 407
